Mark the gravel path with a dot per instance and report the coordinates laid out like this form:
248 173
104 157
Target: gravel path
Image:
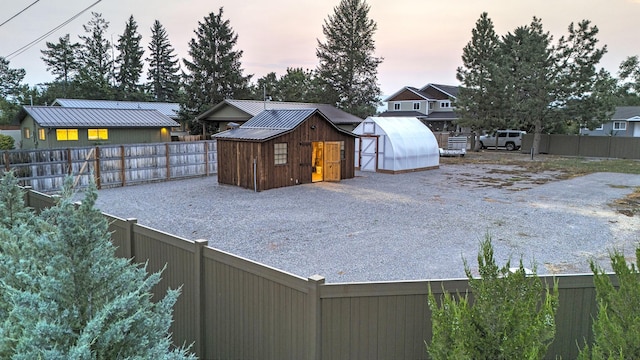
379 227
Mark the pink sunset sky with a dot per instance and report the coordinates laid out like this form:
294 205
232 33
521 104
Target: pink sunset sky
421 41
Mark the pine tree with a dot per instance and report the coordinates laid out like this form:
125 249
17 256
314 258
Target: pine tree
346 60
96 63
61 60
616 328
507 319
129 61
163 75
479 97
214 71
64 294
10 88
628 86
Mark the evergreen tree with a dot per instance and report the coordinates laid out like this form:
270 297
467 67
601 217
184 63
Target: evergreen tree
163 75
64 294
96 63
301 85
267 88
129 61
214 71
628 86
479 75
616 328
61 60
10 88
508 317
346 60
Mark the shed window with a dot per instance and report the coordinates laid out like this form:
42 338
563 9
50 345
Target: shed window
42 135
27 133
280 153
342 150
66 134
98 134
619 125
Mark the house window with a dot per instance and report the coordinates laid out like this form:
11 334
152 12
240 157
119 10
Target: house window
601 127
98 134
280 153
42 135
619 125
445 104
27 133
66 134
416 106
396 106
430 105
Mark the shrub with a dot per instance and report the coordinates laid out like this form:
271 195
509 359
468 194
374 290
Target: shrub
6 142
616 328
63 292
506 316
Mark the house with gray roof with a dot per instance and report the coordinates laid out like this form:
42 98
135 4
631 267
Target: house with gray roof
44 127
240 111
625 121
285 147
433 104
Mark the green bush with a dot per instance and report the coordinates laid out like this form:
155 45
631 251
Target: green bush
616 328
63 292
6 142
506 316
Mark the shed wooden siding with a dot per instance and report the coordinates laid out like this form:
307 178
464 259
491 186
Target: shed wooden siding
235 158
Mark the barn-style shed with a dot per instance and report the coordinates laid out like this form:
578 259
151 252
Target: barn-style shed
285 147
395 145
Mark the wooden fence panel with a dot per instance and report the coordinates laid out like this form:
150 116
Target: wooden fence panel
589 146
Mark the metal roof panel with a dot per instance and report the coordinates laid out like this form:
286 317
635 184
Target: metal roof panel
169 109
57 116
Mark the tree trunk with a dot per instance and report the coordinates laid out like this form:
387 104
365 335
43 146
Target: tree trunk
536 137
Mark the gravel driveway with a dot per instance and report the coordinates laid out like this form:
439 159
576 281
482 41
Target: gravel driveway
379 227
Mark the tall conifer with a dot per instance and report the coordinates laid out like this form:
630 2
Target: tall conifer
129 61
163 78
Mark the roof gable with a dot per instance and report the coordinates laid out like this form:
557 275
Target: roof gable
58 117
407 93
252 108
626 112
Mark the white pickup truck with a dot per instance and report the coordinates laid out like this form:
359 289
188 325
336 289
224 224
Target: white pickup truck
508 139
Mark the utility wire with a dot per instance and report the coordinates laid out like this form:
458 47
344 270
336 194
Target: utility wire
21 11
29 45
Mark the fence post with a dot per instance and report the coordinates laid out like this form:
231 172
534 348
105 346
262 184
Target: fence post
129 251
206 158
314 326
97 165
27 195
7 165
168 160
198 282
123 163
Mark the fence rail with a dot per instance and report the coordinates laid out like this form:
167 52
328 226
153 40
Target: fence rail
235 308
111 165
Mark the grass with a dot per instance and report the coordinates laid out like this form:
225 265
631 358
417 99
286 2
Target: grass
568 166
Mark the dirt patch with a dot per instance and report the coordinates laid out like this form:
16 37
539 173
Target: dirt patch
628 205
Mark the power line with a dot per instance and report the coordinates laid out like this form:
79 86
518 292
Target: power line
29 45
21 11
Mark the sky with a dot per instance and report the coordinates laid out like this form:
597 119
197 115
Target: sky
420 41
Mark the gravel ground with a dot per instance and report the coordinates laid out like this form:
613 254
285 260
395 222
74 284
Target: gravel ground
381 227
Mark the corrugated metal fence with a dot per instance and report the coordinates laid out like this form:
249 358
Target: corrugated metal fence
234 308
588 146
111 165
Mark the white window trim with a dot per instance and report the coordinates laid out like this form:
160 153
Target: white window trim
396 106
622 127
416 105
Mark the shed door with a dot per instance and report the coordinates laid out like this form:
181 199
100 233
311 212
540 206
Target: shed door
368 151
332 161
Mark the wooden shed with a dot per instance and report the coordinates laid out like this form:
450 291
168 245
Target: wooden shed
285 147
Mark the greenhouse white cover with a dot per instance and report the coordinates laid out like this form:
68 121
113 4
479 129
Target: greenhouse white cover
395 144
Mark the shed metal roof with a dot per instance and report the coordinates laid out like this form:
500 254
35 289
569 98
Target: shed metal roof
255 107
168 109
57 117
268 124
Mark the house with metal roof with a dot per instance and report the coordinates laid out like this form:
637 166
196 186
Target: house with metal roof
45 127
169 109
433 104
625 121
285 147
240 111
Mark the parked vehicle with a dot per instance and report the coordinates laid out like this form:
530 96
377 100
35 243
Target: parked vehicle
508 139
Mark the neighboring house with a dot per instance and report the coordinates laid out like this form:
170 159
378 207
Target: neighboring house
433 105
45 127
239 111
285 147
624 122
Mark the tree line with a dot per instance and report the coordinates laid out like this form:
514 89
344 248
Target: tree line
96 68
